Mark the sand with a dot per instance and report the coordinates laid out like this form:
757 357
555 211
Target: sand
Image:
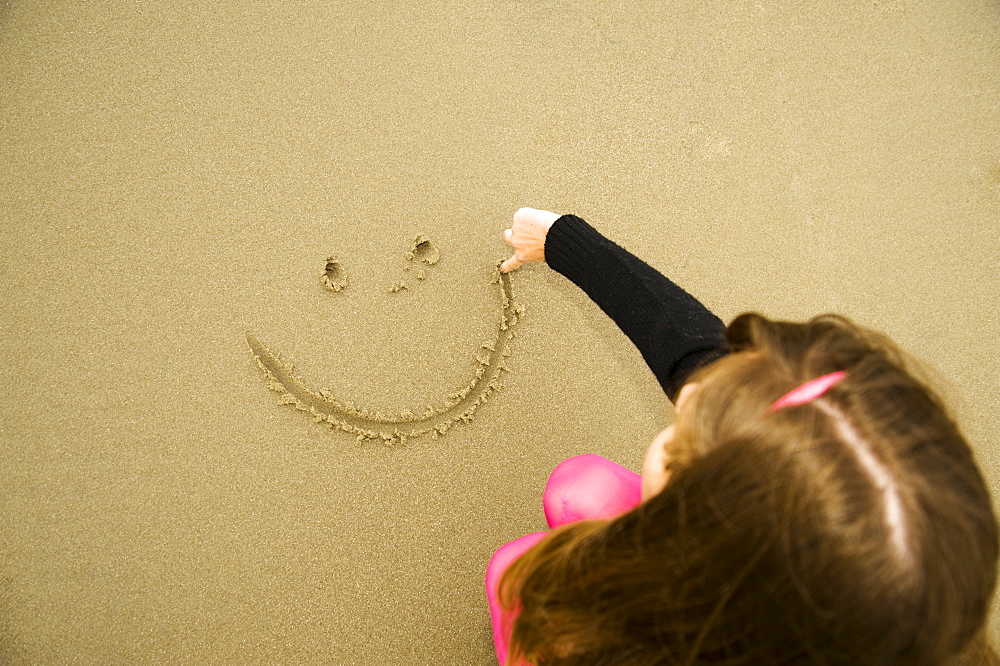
392 429
176 175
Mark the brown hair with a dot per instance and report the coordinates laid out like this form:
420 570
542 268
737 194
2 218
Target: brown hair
854 529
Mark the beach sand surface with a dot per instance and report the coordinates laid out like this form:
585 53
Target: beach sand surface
175 175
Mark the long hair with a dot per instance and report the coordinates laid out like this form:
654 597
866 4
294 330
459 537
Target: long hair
855 529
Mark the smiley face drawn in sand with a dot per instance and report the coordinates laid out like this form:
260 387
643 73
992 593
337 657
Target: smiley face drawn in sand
460 406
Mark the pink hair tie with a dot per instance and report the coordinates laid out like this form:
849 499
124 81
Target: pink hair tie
808 391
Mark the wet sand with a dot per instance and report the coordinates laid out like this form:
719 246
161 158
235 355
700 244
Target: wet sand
176 176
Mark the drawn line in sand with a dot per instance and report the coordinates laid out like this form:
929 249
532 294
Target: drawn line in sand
392 429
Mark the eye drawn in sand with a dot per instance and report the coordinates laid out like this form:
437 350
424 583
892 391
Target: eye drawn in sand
460 406
333 277
423 250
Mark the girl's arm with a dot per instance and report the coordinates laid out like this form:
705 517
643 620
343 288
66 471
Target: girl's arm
674 332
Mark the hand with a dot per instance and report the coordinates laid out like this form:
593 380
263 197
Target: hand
527 236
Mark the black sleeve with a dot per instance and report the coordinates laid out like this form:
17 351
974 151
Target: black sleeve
674 332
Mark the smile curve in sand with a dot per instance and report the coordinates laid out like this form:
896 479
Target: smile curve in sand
391 429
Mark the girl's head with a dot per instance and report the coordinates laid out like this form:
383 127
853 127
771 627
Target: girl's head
851 529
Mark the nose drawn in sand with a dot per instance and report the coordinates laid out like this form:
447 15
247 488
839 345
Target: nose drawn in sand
346 416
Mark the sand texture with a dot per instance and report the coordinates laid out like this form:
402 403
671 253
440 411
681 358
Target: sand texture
197 195
392 429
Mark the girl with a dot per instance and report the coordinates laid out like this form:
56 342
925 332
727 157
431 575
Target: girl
812 503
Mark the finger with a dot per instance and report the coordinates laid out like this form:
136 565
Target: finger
506 236
510 264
